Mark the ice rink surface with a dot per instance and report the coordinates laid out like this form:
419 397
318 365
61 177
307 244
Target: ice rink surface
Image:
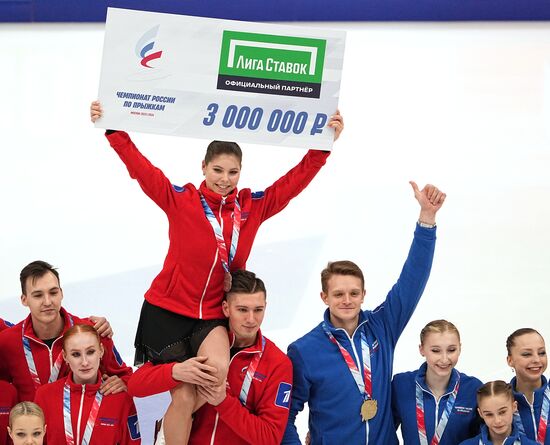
465 106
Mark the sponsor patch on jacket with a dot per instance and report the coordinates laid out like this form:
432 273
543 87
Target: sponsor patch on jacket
133 427
258 195
463 409
178 189
118 358
283 395
107 421
4 410
257 375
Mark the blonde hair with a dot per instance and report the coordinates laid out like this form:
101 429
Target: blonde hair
438 327
26 409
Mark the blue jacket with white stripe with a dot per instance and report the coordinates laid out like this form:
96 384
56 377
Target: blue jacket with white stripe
463 421
529 415
484 439
323 380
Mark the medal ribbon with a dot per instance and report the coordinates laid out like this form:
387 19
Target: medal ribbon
420 416
69 437
54 371
222 248
543 420
364 383
243 396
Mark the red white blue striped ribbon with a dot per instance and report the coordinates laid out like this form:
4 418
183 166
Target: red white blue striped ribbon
543 420
56 366
69 436
364 383
243 396
420 415
222 249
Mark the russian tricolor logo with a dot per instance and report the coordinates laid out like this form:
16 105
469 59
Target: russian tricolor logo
145 47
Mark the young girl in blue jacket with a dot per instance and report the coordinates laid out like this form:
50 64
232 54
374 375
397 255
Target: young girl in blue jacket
496 406
436 404
527 357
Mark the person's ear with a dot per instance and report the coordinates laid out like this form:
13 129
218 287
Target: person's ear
225 308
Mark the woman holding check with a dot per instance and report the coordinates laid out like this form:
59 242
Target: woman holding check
211 228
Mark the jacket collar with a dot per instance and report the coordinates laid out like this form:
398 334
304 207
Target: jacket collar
337 331
215 200
89 388
256 347
538 394
29 330
509 440
421 379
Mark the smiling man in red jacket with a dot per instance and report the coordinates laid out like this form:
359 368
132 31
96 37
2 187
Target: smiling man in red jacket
252 407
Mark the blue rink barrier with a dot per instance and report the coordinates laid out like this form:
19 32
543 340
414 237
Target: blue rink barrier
283 10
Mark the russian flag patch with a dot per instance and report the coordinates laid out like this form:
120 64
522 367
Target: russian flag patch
283 395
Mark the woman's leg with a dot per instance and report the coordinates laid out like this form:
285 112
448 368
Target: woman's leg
185 401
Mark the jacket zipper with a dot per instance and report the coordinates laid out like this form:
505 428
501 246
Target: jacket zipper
215 428
214 263
532 408
77 441
51 354
213 437
358 362
436 412
50 351
436 403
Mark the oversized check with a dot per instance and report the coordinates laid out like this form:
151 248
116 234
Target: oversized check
220 79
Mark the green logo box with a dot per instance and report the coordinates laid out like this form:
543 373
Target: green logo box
293 62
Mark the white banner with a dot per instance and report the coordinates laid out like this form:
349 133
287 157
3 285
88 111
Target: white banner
220 79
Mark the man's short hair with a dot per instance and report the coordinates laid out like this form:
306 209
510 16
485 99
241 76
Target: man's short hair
246 282
34 270
344 267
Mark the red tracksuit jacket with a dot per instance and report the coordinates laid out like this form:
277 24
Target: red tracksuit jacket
261 422
191 280
13 364
4 325
8 399
116 422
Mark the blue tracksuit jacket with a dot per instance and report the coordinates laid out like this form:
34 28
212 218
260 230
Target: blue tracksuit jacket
530 414
463 421
323 380
483 438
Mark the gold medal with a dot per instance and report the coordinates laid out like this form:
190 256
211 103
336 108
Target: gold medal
369 409
227 282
